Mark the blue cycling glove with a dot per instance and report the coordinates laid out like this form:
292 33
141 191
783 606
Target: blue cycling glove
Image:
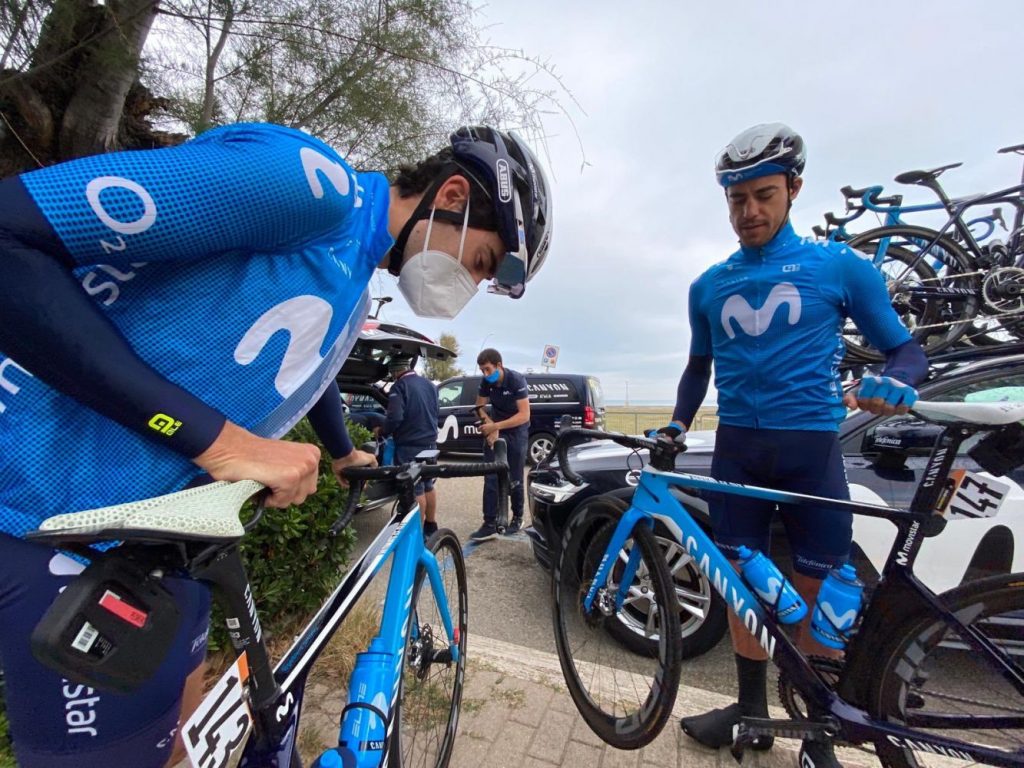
673 430
892 391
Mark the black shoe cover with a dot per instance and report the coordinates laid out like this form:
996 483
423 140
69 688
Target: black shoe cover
714 729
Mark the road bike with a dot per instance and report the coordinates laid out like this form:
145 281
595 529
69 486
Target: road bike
405 690
906 687
948 284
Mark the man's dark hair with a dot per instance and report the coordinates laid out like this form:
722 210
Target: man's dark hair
412 180
489 355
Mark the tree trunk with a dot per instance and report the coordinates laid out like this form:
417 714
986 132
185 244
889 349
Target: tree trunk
93 115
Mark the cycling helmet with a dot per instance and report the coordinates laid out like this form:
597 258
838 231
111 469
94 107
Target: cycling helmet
501 164
761 151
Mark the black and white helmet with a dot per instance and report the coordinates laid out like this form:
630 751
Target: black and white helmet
762 150
508 170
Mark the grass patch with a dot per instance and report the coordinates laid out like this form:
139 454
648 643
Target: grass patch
514 698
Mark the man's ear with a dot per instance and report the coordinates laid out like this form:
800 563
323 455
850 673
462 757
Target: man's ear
795 187
453 194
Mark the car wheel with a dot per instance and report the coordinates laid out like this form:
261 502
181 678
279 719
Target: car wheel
539 447
702 611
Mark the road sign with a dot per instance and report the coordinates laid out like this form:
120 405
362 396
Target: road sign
550 356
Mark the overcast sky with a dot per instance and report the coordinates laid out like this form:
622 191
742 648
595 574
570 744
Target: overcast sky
875 88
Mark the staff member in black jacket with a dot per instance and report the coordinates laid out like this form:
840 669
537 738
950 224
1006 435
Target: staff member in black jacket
412 423
509 396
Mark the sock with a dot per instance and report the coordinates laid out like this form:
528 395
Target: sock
714 729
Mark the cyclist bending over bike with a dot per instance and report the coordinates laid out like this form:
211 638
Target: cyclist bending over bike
142 299
769 317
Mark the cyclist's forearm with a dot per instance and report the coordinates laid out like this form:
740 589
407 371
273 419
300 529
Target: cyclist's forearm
328 421
49 326
906 363
692 389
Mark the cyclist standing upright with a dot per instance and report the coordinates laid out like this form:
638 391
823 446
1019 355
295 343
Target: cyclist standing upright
769 318
166 314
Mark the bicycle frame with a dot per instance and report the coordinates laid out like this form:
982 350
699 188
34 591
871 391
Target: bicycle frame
277 694
900 592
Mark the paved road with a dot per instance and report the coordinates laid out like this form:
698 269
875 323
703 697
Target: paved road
509 593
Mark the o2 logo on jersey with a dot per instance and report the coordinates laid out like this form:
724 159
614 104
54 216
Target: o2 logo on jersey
306 319
754 322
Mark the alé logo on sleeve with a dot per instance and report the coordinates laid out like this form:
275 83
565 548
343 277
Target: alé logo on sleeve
754 322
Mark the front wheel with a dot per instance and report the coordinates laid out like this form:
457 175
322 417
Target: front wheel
624 698
927 672
428 710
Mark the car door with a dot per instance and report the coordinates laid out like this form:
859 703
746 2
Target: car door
886 458
449 402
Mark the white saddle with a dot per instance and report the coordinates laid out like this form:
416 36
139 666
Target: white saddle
206 512
986 414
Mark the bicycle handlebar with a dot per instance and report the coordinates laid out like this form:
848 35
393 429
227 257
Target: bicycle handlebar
409 474
567 437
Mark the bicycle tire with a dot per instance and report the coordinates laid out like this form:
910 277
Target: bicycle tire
936 324
650 681
427 715
923 647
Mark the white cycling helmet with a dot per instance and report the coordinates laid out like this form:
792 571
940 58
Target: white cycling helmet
761 151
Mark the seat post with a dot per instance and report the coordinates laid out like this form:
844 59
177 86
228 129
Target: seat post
936 472
226 574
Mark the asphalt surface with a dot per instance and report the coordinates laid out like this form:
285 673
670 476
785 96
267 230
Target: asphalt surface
509 592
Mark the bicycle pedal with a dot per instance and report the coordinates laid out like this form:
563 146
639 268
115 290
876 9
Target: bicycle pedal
749 729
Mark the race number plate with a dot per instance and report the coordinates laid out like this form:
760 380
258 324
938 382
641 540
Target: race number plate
974 496
216 733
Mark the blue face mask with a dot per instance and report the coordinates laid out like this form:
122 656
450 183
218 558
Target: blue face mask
493 378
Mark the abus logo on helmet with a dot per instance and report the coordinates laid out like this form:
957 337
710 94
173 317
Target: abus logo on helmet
504 181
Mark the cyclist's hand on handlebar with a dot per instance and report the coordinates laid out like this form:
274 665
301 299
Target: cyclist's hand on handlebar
289 469
355 459
882 396
674 431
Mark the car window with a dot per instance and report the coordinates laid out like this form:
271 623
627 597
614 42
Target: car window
472 390
449 394
552 390
596 393
1001 388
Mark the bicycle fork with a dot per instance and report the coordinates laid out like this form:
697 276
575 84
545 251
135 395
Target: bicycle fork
375 683
630 518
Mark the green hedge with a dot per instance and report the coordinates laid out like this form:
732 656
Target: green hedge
292 562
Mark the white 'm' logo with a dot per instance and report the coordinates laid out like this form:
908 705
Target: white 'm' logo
754 322
449 430
307 320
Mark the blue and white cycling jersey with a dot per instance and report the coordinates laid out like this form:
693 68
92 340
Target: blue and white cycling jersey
771 318
235 265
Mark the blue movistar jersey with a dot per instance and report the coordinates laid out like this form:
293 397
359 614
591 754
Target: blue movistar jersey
235 265
772 317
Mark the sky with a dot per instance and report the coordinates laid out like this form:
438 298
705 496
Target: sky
875 88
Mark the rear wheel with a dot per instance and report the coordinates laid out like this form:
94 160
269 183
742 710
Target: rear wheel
899 255
927 670
428 710
624 698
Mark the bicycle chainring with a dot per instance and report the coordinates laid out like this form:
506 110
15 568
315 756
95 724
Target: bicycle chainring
1003 290
791 698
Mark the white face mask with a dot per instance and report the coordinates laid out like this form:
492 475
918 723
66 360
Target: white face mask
435 283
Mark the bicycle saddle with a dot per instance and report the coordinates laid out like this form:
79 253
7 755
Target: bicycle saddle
1018 148
985 414
206 513
923 177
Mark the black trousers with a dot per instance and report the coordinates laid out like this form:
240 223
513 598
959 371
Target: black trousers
516 465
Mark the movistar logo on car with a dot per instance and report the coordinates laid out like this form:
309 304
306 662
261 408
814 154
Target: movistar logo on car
504 181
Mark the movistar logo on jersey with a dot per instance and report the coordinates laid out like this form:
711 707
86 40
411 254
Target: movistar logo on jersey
754 322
